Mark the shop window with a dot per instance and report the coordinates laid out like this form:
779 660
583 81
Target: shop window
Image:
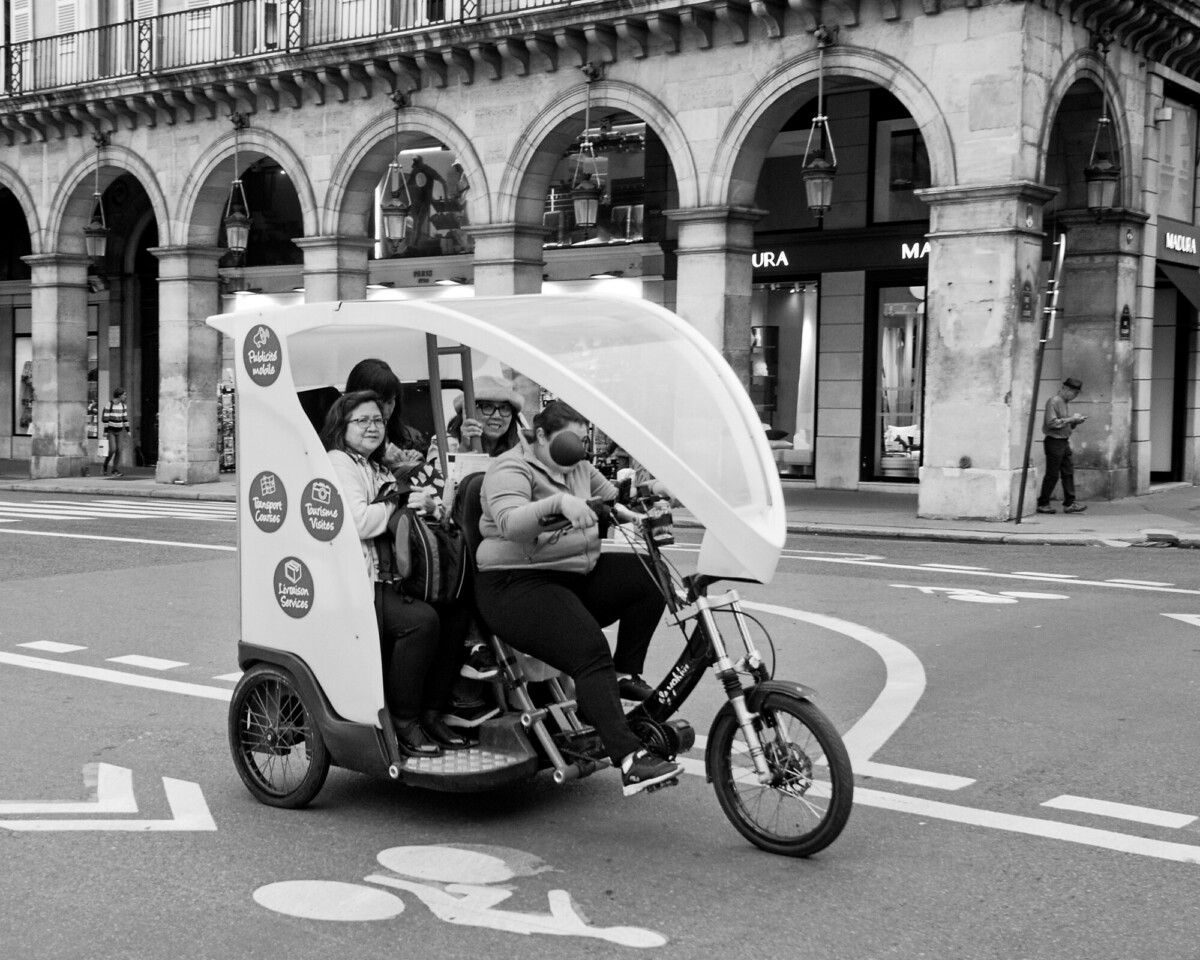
901 167
783 371
900 347
1177 164
22 372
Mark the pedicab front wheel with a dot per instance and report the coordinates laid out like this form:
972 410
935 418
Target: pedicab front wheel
277 749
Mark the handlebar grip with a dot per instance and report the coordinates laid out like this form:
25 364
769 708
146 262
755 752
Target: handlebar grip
600 508
552 520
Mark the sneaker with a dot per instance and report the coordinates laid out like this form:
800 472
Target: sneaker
1074 508
481 664
643 769
1046 510
634 688
465 718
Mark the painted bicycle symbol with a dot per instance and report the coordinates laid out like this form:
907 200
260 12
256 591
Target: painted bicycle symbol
459 884
968 595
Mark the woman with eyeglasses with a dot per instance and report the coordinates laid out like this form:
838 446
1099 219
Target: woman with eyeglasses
418 667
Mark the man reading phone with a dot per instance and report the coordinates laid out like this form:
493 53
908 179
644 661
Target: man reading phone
1057 425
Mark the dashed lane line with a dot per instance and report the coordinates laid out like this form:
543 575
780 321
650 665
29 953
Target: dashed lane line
1029 575
95 536
146 663
1121 811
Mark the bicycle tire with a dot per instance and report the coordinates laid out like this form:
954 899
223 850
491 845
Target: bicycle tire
782 817
277 749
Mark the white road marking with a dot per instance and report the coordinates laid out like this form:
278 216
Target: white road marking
117 676
52 646
119 509
1192 618
92 536
1049 829
1121 811
1142 583
114 794
1052 576
189 812
950 566
148 663
1007 576
903 687
231 677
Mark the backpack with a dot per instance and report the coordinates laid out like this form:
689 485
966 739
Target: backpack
420 556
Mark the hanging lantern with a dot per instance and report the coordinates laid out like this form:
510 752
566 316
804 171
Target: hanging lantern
586 187
394 211
1102 174
816 169
237 220
95 234
585 198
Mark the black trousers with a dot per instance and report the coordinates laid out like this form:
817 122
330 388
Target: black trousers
1058 464
559 618
422 651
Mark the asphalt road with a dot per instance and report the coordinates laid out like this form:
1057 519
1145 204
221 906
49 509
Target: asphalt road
1021 721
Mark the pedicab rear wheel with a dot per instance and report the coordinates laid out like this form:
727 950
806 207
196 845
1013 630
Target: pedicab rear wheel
276 746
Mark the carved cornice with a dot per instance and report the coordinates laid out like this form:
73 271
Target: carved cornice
545 39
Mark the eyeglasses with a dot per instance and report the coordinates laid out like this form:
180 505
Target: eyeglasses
487 409
365 422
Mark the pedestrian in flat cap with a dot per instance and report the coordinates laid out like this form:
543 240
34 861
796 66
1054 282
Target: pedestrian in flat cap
1058 425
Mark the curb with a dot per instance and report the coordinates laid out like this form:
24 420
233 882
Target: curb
160 491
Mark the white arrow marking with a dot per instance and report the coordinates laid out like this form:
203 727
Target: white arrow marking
114 794
1192 618
188 812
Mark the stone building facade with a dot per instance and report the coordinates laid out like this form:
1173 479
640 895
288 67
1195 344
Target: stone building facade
895 340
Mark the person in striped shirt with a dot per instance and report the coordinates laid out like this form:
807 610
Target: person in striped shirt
115 420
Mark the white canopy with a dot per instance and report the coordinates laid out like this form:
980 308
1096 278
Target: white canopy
640 373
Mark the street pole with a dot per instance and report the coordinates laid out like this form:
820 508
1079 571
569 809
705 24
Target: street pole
1053 285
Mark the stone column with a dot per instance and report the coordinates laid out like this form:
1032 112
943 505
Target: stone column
189 364
713 279
985 245
508 258
1100 278
335 268
58 288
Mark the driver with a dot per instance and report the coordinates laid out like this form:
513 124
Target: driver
551 593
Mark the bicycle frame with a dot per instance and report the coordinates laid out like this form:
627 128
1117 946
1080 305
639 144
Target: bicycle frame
705 647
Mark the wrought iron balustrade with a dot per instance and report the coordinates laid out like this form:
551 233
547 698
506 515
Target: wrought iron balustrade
237 30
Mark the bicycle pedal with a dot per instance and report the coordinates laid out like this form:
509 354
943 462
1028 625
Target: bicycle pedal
673 782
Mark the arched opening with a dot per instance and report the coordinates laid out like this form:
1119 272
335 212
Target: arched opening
16 344
839 299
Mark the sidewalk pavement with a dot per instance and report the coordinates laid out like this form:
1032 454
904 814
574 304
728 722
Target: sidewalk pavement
1168 516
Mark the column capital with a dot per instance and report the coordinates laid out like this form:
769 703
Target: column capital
714 214
188 262
1013 207
45 268
487 231
334 241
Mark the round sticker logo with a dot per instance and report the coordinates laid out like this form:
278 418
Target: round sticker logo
268 502
293 587
321 509
262 354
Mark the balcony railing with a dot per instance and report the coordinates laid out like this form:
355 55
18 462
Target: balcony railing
228 31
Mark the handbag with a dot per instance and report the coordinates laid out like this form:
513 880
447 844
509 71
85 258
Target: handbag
420 556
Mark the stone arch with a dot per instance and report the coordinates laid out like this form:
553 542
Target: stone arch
71 208
1086 65
757 120
201 204
350 196
11 179
531 163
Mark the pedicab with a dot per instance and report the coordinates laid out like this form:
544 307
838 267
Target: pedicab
311 695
